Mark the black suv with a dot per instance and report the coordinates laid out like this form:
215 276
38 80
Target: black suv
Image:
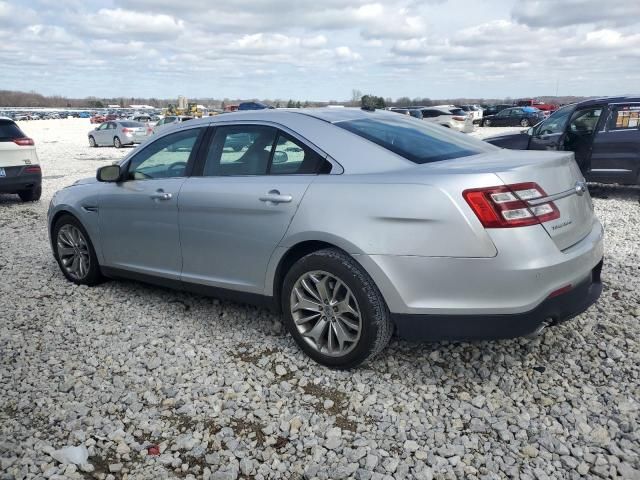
603 133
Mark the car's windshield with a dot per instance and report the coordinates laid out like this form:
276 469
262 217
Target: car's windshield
556 123
415 140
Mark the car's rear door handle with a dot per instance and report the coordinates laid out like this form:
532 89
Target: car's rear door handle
274 196
161 195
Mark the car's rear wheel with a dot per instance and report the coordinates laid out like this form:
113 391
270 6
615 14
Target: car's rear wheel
334 311
74 252
92 142
486 123
116 142
524 122
31 194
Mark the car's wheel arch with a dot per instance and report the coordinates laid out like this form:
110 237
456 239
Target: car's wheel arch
87 228
285 257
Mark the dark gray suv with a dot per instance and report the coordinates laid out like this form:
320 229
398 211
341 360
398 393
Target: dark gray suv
603 133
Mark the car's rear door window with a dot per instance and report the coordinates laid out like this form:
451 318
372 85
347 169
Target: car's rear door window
290 156
624 117
240 150
415 140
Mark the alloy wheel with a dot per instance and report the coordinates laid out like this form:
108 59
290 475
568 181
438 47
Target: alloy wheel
326 313
73 251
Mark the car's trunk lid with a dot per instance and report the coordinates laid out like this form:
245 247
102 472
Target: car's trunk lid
555 172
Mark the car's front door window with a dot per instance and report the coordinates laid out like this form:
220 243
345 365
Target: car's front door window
166 157
556 123
583 122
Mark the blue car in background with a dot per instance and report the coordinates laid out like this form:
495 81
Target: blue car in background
84 115
513 117
253 106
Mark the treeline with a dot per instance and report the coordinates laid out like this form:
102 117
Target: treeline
9 98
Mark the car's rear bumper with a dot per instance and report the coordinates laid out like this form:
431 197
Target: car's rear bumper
458 294
553 310
20 182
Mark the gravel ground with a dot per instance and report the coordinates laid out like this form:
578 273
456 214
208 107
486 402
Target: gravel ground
158 384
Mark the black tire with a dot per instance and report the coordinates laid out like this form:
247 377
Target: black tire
94 275
31 194
524 122
376 324
116 142
486 123
92 141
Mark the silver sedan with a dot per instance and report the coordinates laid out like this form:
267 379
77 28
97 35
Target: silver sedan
353 224
118 133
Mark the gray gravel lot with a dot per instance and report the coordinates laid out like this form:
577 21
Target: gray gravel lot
224 393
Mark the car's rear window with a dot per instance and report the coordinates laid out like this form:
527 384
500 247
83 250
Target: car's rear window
415 140
9 130
131 124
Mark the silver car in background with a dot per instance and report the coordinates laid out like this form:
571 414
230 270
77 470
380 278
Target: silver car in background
352 223
118 133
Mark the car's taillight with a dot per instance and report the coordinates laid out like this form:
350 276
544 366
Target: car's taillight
24 142
126 130
32 169
506 206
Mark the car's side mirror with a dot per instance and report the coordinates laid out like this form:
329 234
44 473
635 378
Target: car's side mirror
108 173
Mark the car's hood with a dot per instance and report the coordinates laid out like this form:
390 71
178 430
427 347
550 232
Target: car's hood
84 181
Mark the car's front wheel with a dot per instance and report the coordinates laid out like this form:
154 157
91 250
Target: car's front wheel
92 142
74 252
334 311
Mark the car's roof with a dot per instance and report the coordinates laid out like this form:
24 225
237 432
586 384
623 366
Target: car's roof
330 115
607 100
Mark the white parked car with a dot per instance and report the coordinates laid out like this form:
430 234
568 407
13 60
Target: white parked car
170 120
19 169
450 117
475 111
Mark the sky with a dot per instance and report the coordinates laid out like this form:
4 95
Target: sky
320 49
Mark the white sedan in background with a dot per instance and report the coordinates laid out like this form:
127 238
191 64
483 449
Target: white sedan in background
450 117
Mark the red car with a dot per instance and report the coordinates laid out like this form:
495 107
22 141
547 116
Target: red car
545 107
97 119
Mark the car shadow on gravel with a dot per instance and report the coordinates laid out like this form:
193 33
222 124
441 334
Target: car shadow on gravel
617 192
8 199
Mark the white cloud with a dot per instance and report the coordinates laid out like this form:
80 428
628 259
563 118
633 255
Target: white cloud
345 54
553 13
118 22
321 49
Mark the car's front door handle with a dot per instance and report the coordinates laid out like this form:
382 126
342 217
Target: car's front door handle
160 195
274 196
